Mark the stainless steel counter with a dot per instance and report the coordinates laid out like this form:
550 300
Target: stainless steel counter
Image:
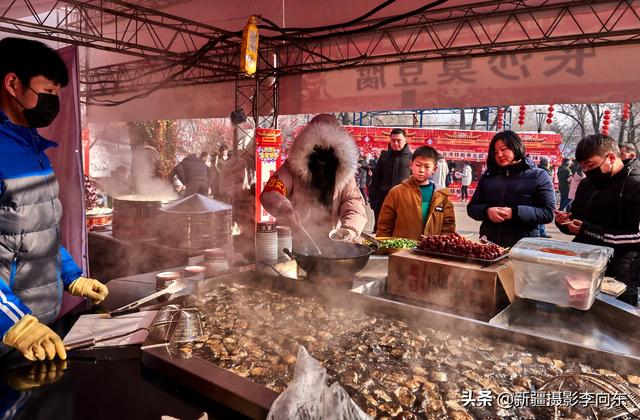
610 325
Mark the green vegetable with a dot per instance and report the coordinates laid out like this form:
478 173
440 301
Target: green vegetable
397 243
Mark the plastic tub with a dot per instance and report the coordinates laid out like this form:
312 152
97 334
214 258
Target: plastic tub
563 273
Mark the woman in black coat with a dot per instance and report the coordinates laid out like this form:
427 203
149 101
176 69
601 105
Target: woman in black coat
513 196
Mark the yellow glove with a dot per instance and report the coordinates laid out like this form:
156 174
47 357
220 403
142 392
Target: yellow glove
38 374
93 289
34 340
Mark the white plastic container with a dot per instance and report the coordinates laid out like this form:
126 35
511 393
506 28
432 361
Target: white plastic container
564 273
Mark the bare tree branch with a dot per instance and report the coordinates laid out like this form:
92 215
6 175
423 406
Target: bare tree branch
474 119
595 116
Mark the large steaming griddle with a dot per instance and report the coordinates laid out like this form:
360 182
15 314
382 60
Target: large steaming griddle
254 400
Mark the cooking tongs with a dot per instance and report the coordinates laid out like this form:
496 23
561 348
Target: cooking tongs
174 287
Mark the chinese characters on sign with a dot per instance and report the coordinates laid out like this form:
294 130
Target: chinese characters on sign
410 75
485 398
565 58
512 67
456 71
268 154
371 78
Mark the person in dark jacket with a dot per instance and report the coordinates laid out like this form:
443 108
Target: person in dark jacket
628 151
606 209
361 177
35 268
564 173
513 196
392 168
373 161
194 174
544 165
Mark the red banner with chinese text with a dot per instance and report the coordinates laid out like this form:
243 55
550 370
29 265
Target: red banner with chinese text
268 147
457 145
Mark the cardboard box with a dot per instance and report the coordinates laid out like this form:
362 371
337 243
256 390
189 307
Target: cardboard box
462 288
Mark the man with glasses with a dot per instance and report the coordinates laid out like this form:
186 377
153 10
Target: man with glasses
34 266
392 168
606 209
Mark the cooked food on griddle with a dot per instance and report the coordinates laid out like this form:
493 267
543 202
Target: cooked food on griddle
389 367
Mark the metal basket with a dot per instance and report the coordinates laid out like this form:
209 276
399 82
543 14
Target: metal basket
177 325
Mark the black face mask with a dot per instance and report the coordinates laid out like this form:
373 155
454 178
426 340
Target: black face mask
44 112
596 174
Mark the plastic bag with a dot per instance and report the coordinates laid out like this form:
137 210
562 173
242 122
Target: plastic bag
308 397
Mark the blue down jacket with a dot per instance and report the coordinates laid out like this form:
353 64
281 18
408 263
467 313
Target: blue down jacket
34 267
523 187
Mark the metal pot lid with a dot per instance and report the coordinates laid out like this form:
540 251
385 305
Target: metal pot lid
196 203
144 199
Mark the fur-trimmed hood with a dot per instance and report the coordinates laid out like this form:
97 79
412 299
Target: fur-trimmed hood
325 136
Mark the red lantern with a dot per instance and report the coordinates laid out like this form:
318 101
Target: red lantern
606 121
499 118
550 114
626 111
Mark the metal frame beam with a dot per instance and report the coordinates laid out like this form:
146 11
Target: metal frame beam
117 26
172 50
479 29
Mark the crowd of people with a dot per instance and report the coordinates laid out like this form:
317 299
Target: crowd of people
599 193
200 174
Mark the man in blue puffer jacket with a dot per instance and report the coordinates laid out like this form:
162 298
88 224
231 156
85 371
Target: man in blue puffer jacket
513 196
34 266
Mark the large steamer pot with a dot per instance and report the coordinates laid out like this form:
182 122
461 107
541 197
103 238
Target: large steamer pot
135 218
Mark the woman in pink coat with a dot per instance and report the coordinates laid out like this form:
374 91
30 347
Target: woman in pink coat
316 186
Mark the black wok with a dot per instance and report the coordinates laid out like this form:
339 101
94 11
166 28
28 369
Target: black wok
340 259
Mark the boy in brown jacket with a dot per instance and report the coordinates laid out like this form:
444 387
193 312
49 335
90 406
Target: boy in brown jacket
415 207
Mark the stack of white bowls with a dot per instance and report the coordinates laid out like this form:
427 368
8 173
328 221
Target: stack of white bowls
284 241
194 270
267 243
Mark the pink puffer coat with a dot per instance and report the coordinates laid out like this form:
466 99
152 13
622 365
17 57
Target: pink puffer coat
290 187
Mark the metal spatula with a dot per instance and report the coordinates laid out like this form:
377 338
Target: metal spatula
174 287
